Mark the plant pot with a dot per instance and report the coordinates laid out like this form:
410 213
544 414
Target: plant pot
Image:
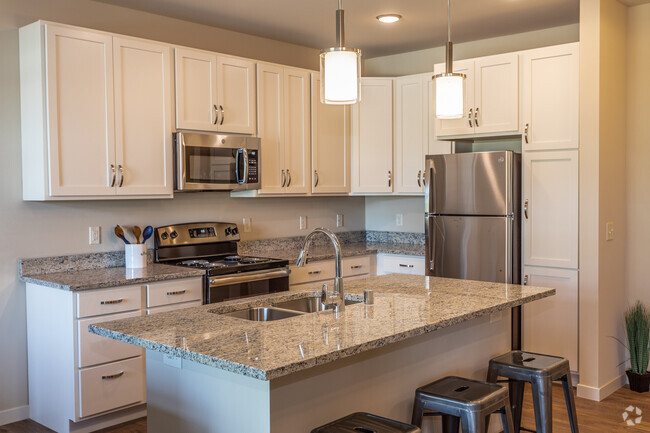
638 382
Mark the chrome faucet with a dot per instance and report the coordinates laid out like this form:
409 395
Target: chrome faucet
329 299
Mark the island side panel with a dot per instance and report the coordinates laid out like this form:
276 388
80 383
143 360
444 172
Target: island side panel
185 396
383 381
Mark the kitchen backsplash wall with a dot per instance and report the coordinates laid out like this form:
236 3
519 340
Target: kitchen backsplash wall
382 214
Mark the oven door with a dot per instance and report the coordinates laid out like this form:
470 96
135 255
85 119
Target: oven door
227 287
216 162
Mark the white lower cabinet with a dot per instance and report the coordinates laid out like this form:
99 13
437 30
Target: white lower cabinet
323 271
399 264
550 325
94 349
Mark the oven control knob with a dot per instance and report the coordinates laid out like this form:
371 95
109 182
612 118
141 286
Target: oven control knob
228 231
174 235
164 236
235 231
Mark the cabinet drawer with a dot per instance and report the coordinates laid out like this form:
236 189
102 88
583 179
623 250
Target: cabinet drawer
95 349
174 292
402 265
110 386
316 271
109 301
173 307
355 266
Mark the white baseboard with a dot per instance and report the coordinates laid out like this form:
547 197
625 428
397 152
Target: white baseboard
14 415
599 394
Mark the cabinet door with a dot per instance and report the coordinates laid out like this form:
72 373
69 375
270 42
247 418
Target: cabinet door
196 90
270 86
143 113
550 214
462 126
80 112
550 99
297 148
236 95
372 137
411 133
436 147
330 144
550 325
496 94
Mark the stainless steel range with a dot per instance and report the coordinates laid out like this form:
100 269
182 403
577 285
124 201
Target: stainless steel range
213 247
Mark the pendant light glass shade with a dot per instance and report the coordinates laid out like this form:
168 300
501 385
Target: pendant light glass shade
450 85
340 69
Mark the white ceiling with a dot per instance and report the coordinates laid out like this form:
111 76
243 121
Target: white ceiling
312 22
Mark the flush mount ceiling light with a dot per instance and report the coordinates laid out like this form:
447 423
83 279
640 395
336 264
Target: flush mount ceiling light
450 86
389 18
340 69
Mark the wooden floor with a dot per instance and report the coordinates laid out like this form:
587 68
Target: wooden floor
594 417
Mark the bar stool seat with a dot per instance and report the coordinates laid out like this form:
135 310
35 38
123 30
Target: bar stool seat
361 422
458 399
540 371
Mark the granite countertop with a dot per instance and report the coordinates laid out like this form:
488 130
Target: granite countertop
405 306
88 279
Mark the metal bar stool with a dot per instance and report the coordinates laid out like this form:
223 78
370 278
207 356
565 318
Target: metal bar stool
457 399
540 371
361 422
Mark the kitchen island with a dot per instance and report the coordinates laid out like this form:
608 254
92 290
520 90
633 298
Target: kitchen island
210 372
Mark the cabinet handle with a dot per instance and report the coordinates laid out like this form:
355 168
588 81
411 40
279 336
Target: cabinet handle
420 178
526 208
216 116
526 133
289 177
113 376
316 178
390 178
119 167
284 179
469 117
476 117
356 267
402 265
223 114
112 301
113 178
525 280
313 272
177 292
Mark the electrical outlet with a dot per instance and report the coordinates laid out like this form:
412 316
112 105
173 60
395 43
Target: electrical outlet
94 236
303 223
339 220
247 225
399 219
609 234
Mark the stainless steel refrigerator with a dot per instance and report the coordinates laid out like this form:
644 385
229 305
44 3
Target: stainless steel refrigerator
472 219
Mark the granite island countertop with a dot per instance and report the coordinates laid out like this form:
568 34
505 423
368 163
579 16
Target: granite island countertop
405 306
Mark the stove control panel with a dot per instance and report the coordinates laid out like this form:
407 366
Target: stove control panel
195 233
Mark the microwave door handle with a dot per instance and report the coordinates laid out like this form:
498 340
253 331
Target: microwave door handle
237 171
245 176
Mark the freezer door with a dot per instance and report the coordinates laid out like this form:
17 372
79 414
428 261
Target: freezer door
470 248
478 183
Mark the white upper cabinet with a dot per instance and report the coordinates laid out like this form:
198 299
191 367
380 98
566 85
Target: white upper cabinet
550 98
330 144
214 93
297 117
143 117
411 141
491 97
550 208
270 85
372 138
96 115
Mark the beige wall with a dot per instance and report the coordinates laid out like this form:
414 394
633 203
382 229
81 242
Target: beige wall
44 229
421 61
638 154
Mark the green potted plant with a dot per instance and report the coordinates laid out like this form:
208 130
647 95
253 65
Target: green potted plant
637 326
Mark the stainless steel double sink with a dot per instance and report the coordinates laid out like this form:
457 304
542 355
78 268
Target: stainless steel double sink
282 310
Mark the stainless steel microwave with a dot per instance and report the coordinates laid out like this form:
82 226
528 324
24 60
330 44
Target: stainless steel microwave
207 162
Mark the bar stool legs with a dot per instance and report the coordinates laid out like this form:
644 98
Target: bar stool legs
570 402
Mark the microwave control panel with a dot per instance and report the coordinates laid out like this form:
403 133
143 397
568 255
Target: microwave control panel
253 172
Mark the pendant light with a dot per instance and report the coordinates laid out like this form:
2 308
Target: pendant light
340 69
450 86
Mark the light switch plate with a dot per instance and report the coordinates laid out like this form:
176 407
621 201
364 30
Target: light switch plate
399 219
94 236
247 225
609 233
303 223
339 220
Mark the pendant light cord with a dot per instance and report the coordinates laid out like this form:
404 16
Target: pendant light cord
448 19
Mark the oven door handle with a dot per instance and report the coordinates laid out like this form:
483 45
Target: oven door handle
249 277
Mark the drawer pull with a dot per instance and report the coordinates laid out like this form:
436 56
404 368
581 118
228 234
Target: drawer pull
313 272
356 267
402 265
113 376
177 292
113 301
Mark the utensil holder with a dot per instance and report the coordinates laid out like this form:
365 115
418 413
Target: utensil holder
135 256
